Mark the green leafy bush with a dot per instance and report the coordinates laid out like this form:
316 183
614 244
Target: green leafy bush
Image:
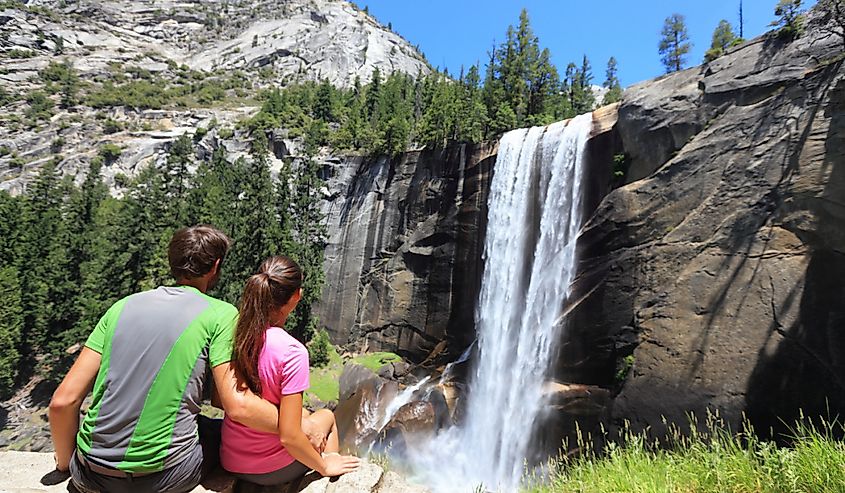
319 349
109 153
40 107
111 126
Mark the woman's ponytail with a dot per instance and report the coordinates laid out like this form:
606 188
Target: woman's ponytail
277 280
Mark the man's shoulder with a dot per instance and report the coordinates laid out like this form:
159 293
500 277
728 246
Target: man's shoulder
220 308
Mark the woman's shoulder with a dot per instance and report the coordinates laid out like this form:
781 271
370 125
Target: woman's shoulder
279 339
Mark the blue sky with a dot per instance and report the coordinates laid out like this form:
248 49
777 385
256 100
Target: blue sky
452 33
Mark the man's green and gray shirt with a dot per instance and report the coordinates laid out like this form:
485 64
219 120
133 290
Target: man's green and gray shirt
156 347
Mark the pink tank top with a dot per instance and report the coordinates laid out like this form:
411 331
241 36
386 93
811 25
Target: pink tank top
283 370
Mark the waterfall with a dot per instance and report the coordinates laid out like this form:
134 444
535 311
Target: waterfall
529 263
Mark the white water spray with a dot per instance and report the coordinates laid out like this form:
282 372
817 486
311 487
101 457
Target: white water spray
403 398
529 263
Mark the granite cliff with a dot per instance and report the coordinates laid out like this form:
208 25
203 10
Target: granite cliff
710 277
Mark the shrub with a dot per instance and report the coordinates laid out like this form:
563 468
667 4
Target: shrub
141 94
319 349
109 153
57 145
40 107
111 126
18 53
200 133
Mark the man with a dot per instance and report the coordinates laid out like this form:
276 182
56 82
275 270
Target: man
146 361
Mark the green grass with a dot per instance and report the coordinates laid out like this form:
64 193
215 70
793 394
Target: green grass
374 361
711 462
325 380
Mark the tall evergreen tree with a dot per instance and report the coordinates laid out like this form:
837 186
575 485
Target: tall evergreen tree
674 43
11 327
611 83
43 260
723 38
790 18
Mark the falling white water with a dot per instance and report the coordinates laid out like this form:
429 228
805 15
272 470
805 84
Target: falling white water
403 398
529 263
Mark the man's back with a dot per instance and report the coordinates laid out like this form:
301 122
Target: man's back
156 347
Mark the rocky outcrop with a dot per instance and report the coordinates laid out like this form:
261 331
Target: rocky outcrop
715 278
28 472
266 43
295 39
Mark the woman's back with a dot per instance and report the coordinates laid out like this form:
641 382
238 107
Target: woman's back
283 370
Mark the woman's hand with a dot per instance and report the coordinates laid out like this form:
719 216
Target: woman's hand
340 464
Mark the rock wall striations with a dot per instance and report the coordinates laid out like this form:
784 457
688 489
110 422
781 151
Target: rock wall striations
403 256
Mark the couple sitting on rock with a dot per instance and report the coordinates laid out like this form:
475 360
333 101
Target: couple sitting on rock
147 361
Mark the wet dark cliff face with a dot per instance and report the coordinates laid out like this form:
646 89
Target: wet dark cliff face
404 255
719 272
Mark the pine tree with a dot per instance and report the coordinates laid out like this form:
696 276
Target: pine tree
790 18
43 261
324 102
80 212
11 327
723 38
611 83
474 115
674 43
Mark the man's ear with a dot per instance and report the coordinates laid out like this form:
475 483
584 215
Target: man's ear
216 268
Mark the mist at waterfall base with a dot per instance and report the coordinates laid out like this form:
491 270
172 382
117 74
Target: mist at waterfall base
529 263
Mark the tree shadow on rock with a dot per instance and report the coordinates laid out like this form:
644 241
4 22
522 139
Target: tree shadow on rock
804 376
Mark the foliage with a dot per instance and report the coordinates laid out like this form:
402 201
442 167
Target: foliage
40 107
723 38
614 88
111 126
319 349
674 43
139 94
624 368
109 153
710 459
69 251
63 78
621 162
520 87
11 324
790 18
19 53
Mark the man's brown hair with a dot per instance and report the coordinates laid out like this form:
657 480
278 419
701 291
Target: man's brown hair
193 251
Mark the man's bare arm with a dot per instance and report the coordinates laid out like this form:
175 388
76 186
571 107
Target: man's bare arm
242 405
65 404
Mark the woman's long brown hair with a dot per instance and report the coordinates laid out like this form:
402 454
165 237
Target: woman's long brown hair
278 278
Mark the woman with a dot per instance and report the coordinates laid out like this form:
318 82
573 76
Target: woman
274 365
